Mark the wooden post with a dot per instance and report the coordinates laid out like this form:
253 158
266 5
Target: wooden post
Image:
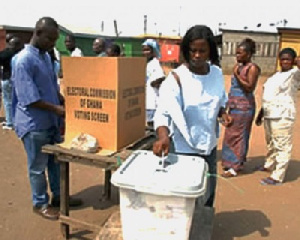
64 196
107 186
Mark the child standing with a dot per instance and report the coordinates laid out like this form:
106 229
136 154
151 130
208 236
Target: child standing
279 112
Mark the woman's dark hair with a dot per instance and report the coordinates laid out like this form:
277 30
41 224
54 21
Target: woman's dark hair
200 32
249 45
289 51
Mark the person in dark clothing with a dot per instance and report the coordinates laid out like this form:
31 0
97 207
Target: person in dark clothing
13 47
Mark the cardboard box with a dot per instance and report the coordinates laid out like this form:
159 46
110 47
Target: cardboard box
105 97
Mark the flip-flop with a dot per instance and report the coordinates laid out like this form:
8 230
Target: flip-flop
229 173
270 181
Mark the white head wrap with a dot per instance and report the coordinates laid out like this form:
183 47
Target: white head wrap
153 43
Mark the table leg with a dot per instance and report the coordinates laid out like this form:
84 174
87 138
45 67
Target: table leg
107 186
64 196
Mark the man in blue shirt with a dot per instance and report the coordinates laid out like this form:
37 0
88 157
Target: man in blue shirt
36 113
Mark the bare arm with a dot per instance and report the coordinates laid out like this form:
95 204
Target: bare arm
57 109
157 82
248 83
162 145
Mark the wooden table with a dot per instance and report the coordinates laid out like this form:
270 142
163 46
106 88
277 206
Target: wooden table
108 163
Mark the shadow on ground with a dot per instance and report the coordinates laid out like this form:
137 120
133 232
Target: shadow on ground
293 172
246 222
92 197
81 235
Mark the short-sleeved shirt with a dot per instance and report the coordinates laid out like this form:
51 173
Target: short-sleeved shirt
191 111
280 94
33 80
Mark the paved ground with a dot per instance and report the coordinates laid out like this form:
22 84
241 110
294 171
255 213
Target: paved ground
244 209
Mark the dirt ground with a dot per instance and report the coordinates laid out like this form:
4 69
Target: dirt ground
244 209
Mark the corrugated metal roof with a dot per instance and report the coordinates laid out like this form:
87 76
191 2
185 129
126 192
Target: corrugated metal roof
157 36
16 28
271 31
288 30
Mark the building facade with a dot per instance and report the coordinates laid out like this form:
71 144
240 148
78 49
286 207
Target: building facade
289 37
267 45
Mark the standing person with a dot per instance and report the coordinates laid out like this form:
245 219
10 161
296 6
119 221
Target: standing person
14 46
99 47
241 106
191 100
154 77
279 112
8 37
37 111
70 43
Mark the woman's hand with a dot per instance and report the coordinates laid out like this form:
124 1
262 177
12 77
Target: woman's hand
162 145
226 120
258 121
259 118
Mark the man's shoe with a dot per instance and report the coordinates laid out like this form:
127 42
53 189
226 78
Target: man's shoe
73 202
47 212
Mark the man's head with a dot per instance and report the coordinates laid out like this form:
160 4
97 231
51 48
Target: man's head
16 44
8 37
45 34
98 45
70 42
113 50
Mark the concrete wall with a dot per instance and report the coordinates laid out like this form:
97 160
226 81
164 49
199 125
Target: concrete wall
267 45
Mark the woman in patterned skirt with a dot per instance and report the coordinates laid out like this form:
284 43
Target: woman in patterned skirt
241 106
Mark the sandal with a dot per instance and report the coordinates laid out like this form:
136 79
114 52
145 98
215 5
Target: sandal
229 173
270 181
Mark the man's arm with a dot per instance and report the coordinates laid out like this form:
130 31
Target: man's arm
57 109
156 83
